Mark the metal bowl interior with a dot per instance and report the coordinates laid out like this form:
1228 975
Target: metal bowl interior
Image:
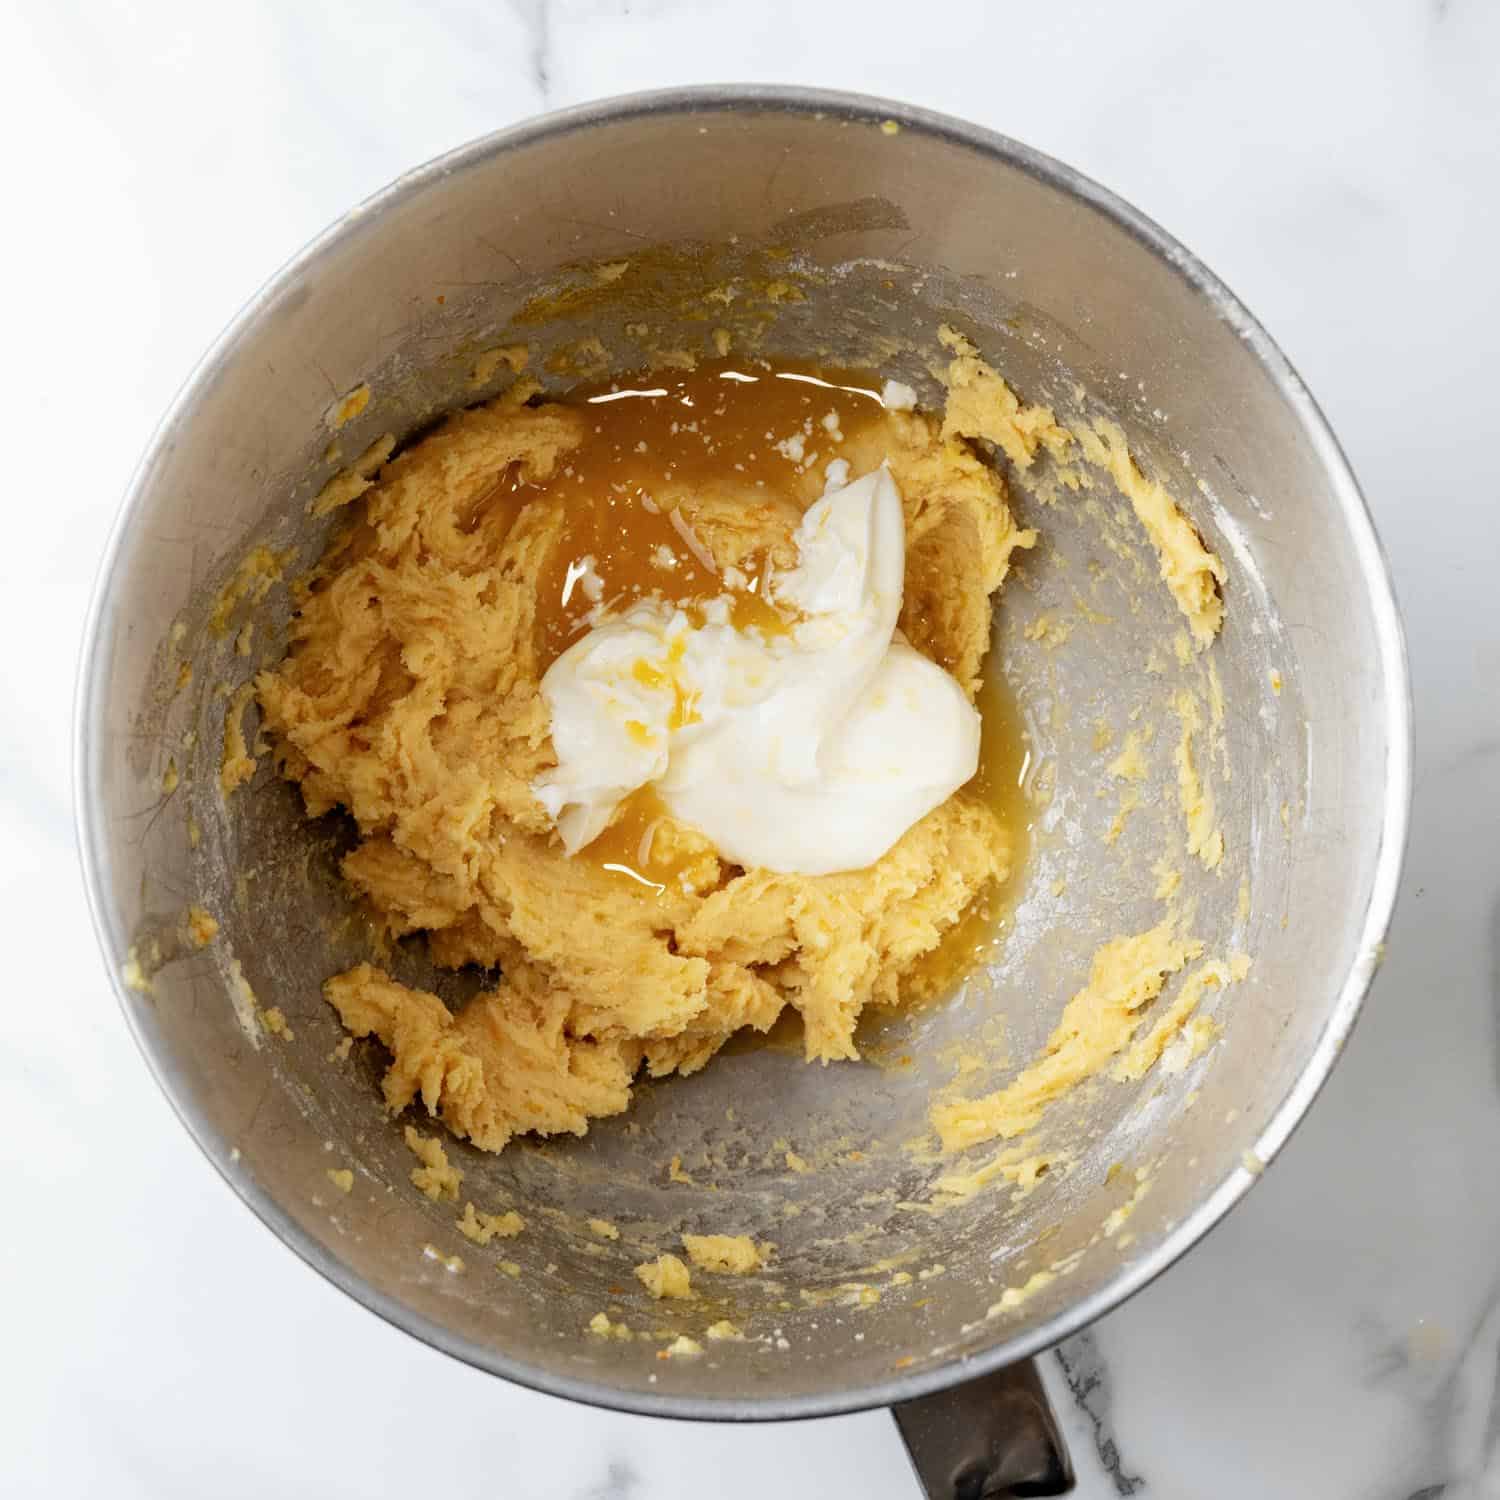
890 221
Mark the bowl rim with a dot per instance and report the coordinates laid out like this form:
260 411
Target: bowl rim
1395 810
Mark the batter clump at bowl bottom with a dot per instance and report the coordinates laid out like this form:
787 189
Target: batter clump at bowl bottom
410 696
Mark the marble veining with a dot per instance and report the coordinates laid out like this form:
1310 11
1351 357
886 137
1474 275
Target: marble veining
1088 1385
1338 1337
620 1482
536 16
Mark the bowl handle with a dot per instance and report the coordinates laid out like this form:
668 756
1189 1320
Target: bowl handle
992 1437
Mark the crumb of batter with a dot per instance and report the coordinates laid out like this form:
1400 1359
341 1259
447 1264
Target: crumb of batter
1195 1038
681 1346
604 1229
666 1276
237 765
436 1177
246 1007
250 583
482 1227
676 1174
342 1178
349 484
1118 1216
723 1330
202 928
981 404
1013 1296
275 1023
1216 699
133 976
1204 838
600 1323
728 1254
347 408
1049 629
1130 800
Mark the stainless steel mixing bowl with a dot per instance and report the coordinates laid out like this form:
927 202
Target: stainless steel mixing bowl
888 220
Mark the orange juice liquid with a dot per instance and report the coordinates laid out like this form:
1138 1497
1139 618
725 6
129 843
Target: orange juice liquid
759 437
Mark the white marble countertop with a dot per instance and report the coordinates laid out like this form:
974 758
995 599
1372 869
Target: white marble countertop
1338 164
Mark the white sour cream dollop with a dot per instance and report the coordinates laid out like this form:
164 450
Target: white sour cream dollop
810 752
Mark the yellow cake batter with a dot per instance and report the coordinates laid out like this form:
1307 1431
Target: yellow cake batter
410 696
666 1276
